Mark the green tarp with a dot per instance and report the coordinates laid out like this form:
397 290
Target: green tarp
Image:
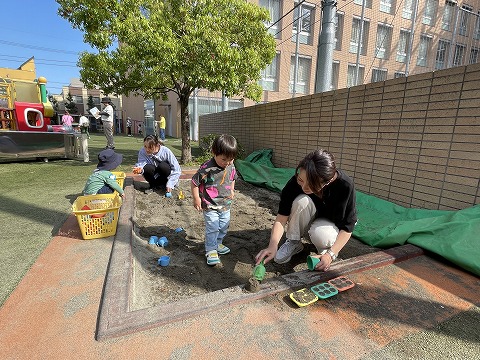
257 169
454 235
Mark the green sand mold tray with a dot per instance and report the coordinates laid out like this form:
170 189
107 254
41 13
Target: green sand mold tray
324 290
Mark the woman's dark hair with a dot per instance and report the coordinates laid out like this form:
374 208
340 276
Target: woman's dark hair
225 145
319 168
151 141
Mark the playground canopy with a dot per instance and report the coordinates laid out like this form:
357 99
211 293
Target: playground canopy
454 235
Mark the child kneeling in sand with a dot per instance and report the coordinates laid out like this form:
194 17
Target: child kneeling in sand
102 181
213 188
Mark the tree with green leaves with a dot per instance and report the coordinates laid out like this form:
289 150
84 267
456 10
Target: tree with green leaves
54 103
90 103
70 104
172 46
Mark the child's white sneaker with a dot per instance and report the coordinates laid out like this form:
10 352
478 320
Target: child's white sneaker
212 257
222 249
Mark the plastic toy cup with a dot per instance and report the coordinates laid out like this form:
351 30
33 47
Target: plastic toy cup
164 260
312 262
153 240
179 229
162 241
168 195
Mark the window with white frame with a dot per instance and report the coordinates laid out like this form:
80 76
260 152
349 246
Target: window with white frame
473 55
403 45
335 72
368 3
211 105
429 12
459 55
423 49
442 54
269 76
303 75
355 36
476 30
274 8
447 17
398 74
386 6
465 13
379 75
352 75
407 9
305 21
339 17
383 41
234 104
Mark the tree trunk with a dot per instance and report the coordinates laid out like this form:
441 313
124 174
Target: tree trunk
185 127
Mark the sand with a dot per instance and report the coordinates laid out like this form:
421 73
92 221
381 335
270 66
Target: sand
188 275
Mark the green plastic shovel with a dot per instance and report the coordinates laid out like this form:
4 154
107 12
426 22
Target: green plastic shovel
259 271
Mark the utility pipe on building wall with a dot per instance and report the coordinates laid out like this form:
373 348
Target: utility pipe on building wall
454 39
412 32
297 42
360 43
326 45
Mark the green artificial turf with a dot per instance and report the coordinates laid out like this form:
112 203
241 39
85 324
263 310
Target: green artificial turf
36 199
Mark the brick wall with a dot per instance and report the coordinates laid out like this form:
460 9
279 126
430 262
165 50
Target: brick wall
413 141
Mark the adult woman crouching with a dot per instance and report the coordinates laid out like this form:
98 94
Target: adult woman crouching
158 165
319 198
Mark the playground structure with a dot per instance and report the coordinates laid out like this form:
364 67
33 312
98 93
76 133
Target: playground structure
25 112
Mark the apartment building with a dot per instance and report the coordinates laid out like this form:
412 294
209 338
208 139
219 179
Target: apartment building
374 41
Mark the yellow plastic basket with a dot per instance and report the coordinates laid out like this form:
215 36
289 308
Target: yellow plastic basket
120 177
97 215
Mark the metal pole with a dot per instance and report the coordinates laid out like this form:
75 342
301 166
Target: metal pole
360 42
412 31
152 123
194 127
224 102
295 70
326 45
